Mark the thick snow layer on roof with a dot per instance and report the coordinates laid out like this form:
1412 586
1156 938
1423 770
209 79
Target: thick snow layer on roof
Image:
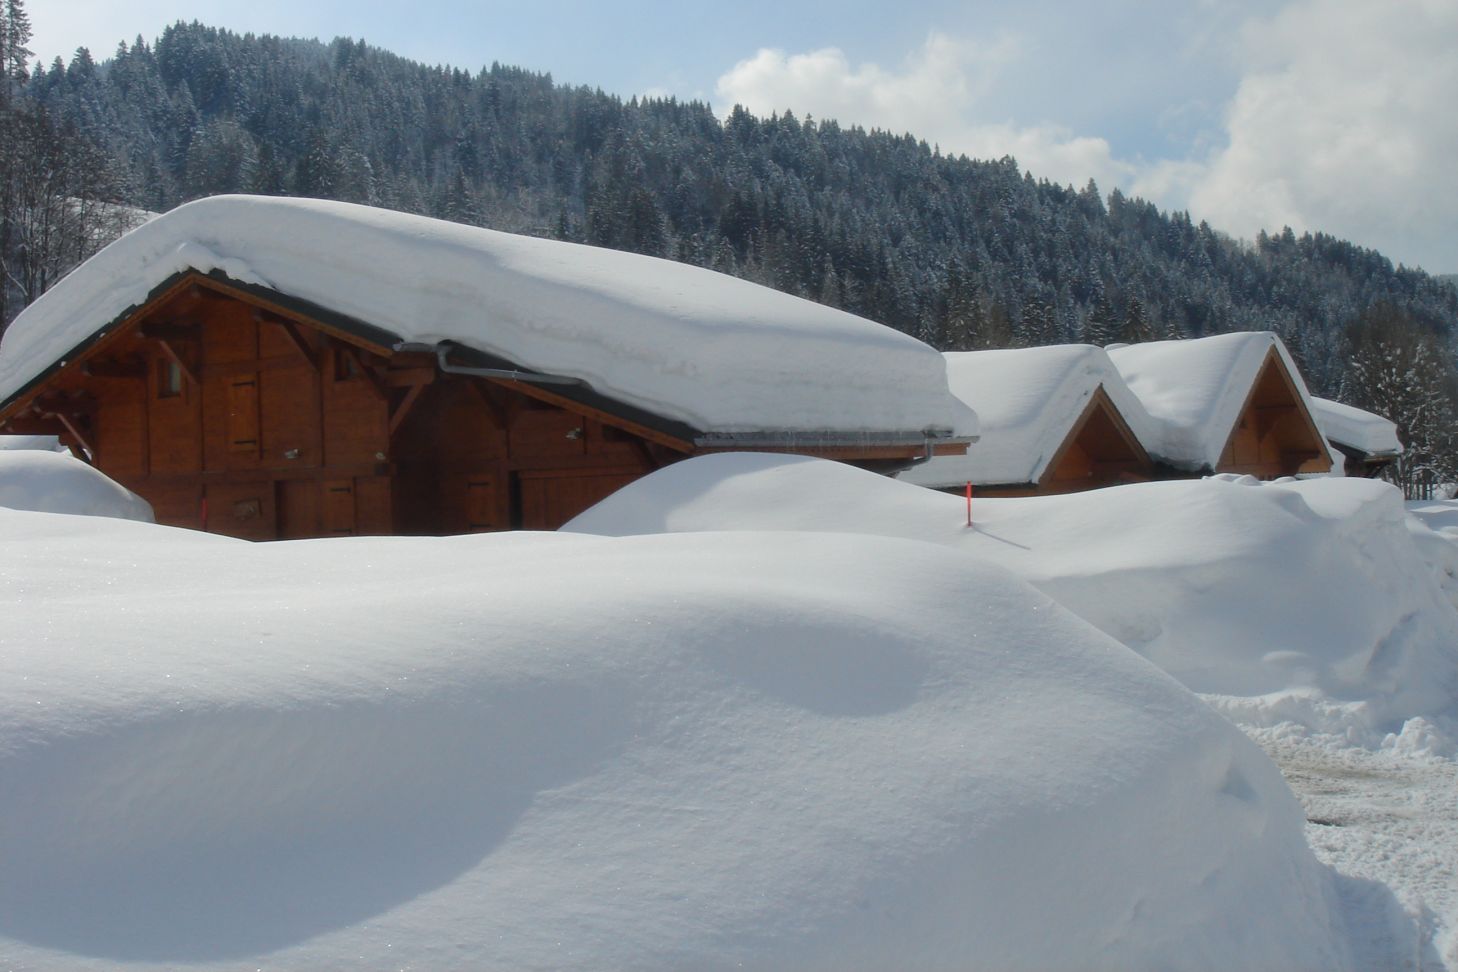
52 482
555 751
717 353
1313 592
1194 390
1355 427
1027 401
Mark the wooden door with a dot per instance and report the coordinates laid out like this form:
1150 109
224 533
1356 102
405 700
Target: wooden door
243 425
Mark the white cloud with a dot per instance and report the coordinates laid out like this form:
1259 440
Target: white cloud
937 95
1344 122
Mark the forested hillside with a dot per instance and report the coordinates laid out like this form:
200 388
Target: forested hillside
962 253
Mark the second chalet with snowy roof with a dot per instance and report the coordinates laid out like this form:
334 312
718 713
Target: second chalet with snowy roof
1072 417
276 368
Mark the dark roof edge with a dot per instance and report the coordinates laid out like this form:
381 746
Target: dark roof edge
1357 452
830 438
369 333
583 394
360 329
386 340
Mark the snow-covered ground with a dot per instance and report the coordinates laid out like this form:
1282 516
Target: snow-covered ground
795 716
555 751
1386 816
1314 614
47 443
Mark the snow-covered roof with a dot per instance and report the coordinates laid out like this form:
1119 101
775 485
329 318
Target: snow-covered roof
1026 400
1194 390
720 354
1351 426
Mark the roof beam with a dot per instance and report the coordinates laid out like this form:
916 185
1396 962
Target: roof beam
370 374
294 335
403 409
159 331
132 368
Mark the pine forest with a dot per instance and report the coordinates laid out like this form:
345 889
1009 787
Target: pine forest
962 253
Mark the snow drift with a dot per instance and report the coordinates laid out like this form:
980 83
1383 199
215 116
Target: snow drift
45 443
1305 601
553 751
52 482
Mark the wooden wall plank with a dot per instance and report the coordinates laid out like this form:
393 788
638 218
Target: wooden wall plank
289 417
244 510
372 506
298 508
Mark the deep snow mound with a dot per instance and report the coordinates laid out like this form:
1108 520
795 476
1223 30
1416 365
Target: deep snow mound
46 443
552 751
53 482
1310 601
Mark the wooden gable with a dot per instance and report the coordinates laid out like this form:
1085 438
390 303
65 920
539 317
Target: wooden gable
237 415
1100 450
1274 434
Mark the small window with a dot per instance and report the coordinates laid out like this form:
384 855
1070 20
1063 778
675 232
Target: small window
169 378
346 366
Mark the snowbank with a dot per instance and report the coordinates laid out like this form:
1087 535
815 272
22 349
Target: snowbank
52 482
46 443
1307 601
1026 400
718 353
550 751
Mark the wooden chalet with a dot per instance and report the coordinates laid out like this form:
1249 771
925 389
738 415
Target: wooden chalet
1048 424
1368 443
241 409
1231 403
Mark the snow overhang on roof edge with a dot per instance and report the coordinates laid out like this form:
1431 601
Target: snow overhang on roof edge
710 351
581 393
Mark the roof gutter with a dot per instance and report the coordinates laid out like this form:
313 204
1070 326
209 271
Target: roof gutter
442 351
929 438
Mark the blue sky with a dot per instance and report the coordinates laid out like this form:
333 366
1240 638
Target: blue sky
1331 115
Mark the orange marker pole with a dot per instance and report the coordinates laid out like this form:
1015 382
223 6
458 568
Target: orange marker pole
969 502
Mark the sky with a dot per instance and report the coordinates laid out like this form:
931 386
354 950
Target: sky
1321 115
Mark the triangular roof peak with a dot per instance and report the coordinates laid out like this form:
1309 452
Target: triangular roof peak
1197 391
1030 403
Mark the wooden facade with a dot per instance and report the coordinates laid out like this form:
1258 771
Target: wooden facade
234 411
1361 464
1275 434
